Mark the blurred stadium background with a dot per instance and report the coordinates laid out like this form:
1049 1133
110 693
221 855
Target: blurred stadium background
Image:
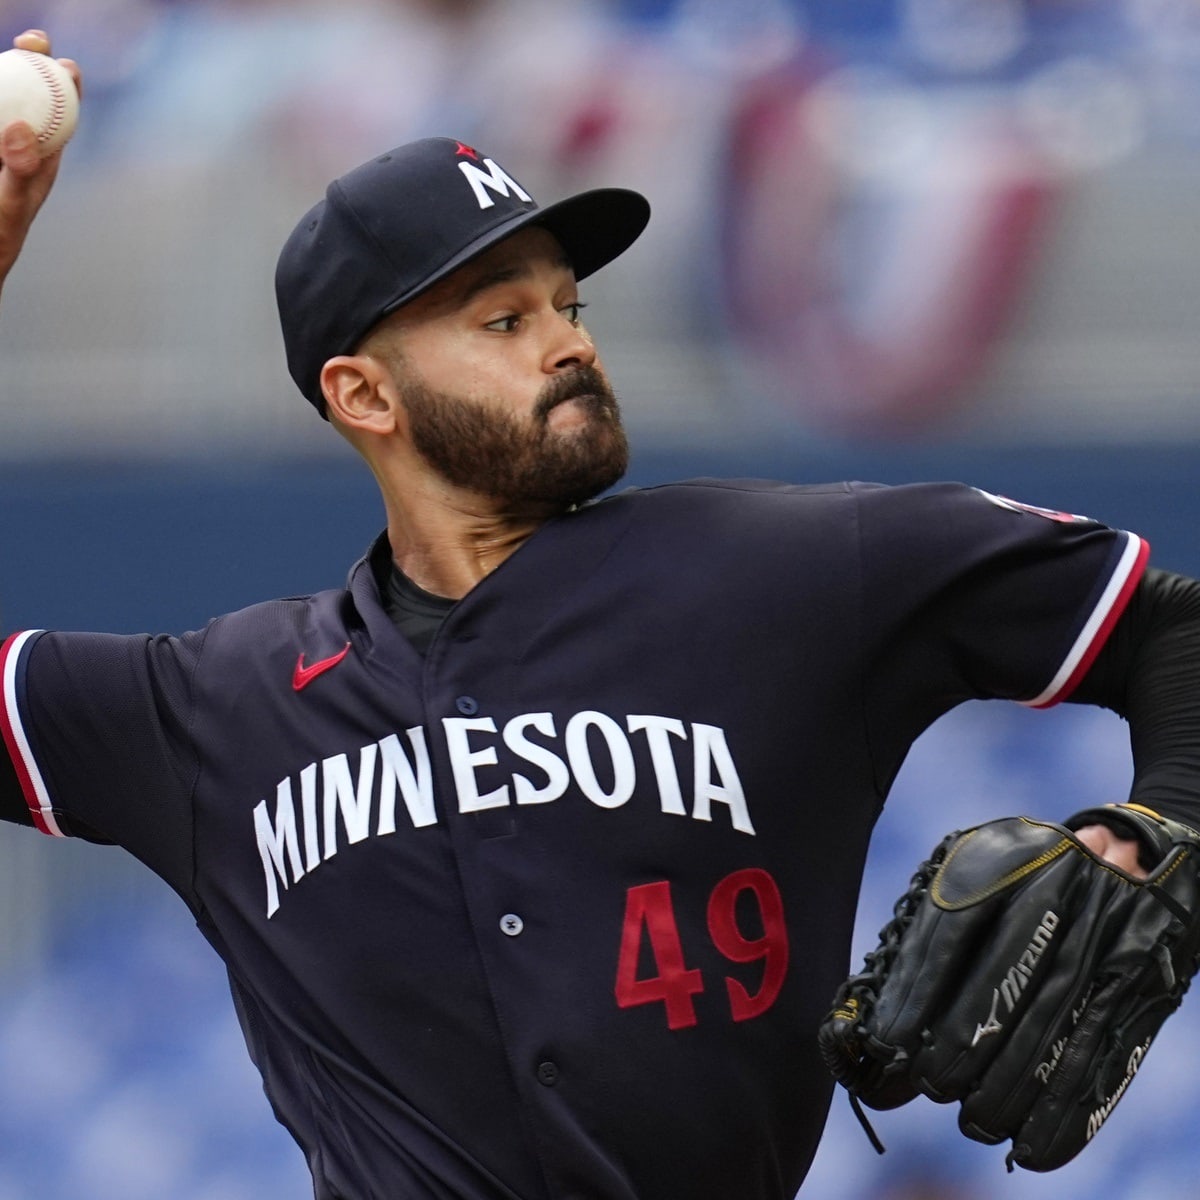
894 239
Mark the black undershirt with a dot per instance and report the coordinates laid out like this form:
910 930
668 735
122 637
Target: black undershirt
418 614
1148 672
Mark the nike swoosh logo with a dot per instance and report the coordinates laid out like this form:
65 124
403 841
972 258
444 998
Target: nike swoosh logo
303 676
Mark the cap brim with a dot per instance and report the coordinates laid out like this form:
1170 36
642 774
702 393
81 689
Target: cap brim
593 228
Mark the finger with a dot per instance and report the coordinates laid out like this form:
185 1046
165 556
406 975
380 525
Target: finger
19 150
73 68
1106 844
36 40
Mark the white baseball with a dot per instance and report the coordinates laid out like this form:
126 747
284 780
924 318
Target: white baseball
38 89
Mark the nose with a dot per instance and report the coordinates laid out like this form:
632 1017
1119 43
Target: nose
570 346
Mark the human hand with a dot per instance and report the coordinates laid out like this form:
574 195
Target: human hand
25 178
1106 843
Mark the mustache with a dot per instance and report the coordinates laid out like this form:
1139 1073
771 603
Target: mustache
572 385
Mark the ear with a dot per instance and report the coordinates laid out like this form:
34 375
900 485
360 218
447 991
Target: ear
359 393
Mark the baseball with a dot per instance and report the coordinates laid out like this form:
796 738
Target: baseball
38 89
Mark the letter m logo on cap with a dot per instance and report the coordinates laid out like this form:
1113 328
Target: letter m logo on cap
495 179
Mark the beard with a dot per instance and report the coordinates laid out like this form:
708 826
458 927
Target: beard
519 462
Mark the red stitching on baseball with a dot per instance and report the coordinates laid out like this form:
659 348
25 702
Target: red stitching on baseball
58 99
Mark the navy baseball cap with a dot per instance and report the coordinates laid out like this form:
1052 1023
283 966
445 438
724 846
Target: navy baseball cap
390 229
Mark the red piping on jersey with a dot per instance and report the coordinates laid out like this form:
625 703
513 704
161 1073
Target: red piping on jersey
1106 627
24 777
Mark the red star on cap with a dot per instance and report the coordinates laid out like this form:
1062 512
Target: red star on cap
467 150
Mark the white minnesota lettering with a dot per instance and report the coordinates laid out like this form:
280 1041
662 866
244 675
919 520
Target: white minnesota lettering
341 795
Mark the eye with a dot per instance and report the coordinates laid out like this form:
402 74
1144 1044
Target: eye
574 312
504 324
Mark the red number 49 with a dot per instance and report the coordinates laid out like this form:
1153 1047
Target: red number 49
650 916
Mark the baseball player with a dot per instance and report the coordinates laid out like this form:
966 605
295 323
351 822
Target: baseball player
512 845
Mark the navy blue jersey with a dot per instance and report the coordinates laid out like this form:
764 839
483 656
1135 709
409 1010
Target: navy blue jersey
535 915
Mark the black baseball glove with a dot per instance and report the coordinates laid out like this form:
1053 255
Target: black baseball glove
1024 977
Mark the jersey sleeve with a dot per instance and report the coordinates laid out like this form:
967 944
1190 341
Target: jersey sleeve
12 800
96 731
969 595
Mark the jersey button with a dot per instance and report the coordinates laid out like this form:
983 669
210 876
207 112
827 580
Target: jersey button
547 1073
467 705
511 924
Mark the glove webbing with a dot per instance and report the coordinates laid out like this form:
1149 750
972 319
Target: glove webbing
859 992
